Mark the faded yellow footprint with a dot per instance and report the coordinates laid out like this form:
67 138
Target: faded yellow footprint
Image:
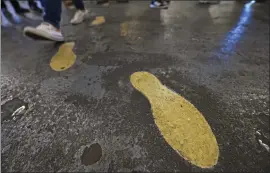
123 29
180 123
98 21
64 58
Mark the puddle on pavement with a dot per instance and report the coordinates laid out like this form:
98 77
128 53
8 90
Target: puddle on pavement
98 21
262 140
64 58
91 155
180 123
13 109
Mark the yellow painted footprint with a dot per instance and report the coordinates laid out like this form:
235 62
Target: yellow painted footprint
98 21
123 29
180 123
64 58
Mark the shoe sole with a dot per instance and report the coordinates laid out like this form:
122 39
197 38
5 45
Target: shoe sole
105 4
71 7
39 35
160 7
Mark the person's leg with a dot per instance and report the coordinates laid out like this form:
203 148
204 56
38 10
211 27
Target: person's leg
18 9
158 4
78 4
80 14
42 3
53 9
3 5
103 2
15 4
68 4
122 1
6 13
33 5
50 28
4 20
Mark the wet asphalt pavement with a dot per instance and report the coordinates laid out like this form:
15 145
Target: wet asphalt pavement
90 118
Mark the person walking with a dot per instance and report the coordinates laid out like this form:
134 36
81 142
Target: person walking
20 10
50 27
80 14
209 2
68 4
106 2
159 4
33 6
15 4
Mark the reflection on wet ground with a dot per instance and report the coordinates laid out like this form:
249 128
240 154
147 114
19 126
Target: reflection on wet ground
230 42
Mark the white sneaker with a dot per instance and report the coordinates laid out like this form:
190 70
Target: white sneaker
79 16
158 5
155 5
44 31
71 7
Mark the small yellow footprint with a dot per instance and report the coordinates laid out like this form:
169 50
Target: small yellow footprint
123 29
180 123
98 21
64 58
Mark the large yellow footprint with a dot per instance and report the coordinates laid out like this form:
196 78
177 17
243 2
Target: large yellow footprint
180 123
64 58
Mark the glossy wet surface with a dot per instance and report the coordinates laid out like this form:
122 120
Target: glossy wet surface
216 57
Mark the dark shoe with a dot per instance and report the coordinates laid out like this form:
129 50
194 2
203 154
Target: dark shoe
36 9
22 10
122 1
260 1
157 4
103 2
4 20
6 12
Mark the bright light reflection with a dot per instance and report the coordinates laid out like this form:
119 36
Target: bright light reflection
235 34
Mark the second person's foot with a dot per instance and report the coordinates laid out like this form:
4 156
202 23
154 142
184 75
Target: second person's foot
22 10
158 5
36 9
103 2
79 17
